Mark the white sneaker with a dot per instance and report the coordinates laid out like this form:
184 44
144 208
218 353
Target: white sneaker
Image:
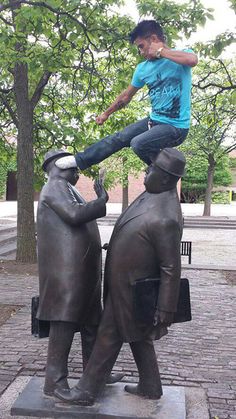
67 162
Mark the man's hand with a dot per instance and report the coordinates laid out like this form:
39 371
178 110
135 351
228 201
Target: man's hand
180 57
102 118
100 191
154 47
67 162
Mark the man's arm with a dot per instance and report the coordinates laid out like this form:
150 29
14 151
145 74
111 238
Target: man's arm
180 57
121 101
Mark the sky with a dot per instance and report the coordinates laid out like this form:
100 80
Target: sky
224 19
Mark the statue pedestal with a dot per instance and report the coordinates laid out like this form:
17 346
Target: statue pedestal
114 403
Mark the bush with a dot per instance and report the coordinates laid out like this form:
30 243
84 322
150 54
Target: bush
4 169
3 176
221 197
232 162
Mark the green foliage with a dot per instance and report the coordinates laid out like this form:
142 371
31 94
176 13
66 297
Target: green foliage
194 183
8 164
221 197
177 18
233 4
84 47
232 162
2 182
217 46
212 134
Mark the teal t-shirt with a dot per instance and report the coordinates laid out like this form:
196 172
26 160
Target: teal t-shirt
169 87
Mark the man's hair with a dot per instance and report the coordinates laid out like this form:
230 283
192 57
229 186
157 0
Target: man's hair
147 28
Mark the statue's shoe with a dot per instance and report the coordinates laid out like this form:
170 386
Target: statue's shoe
114 378
135 390
74 396
50 387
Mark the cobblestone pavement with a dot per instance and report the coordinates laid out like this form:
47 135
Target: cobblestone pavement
200 354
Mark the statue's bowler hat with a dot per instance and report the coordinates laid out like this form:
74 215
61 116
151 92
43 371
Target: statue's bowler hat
171 161
54 154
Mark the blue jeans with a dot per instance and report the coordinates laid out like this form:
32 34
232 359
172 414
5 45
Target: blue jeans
144 142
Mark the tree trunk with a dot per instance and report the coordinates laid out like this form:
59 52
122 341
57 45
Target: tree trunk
26 241
210 176
125 197
125 186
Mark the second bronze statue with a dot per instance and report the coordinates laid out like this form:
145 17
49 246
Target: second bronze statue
145 244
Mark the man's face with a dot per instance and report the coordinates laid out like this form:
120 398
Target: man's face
143 45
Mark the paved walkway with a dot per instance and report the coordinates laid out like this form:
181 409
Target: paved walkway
199 354
210 248
9 208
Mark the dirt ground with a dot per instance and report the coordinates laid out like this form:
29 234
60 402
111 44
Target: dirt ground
7 311
18 268
13 267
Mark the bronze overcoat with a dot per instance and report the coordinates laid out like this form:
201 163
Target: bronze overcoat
145 244
69 254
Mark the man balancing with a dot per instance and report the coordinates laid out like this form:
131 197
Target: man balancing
167 74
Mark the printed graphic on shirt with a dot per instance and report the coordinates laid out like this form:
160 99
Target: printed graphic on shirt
165 96
169 87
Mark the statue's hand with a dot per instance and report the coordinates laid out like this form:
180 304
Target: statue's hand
100 191
67 162
164 318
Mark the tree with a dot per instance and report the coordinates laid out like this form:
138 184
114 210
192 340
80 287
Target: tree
56 62
194 182
213 131
8 163
178 20
47 42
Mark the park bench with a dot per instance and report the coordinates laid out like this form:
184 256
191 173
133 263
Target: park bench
186 250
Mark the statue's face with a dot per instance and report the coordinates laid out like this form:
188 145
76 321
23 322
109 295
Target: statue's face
153 179
71 175
157 180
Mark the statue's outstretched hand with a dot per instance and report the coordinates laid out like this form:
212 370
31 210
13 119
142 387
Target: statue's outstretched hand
100 191
67 162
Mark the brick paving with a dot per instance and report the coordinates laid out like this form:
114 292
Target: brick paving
200 354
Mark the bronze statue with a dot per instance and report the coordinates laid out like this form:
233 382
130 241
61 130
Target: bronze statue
145 244
69 259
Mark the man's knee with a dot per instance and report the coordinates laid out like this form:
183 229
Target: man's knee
138 144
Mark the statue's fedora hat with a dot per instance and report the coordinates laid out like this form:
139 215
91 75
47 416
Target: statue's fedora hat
54 154
171 161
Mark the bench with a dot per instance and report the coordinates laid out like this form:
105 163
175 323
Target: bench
186 250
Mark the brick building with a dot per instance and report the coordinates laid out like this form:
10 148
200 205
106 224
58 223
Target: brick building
136 187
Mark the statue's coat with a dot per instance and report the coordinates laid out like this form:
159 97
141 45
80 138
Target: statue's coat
69 254
145 244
